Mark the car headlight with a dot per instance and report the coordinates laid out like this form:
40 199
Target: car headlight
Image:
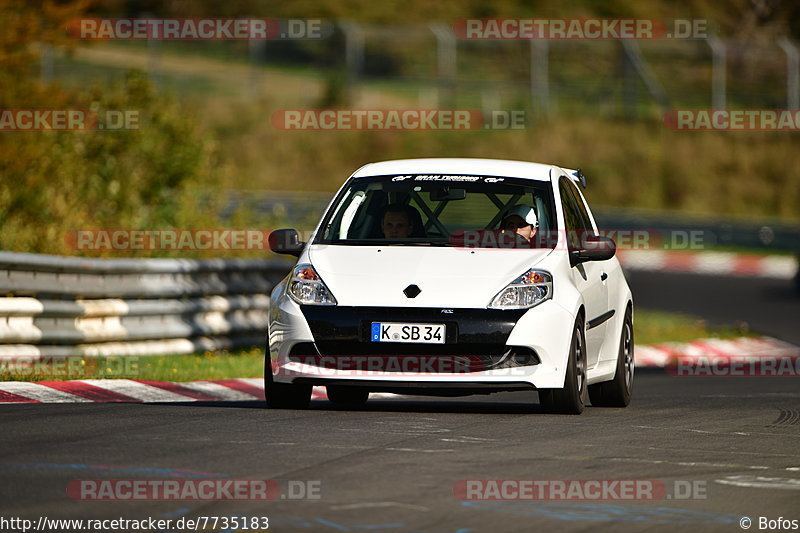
528 290
306 287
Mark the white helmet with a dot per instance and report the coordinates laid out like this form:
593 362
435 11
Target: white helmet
526 213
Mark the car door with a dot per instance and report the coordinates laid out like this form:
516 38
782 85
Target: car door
588 277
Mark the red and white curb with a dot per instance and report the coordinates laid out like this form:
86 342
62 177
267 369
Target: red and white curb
128 390
250 389
715 263
141 391
660 355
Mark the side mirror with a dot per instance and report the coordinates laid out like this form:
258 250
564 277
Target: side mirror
286 241
595 248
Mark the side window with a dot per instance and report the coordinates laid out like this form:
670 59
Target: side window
572 220
586 219
575 217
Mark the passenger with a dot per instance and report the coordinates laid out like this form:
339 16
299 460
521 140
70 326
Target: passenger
522 222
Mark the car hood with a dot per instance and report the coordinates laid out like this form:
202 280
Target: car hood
448 277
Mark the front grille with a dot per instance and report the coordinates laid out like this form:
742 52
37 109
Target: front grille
487 327
423 358
397 348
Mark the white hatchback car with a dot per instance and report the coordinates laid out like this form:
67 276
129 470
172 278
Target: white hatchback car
452 277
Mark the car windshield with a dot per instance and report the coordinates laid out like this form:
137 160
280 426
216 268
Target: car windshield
441 210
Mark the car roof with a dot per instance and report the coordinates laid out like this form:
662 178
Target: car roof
460 166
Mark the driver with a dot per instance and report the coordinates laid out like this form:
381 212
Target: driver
521 222
396 222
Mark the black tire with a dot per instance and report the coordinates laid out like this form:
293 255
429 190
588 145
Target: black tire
347 397
617 392
571 398
284 395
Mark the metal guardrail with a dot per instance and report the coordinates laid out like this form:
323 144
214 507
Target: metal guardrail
766 235
72 306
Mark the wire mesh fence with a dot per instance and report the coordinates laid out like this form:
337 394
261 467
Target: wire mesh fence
428 66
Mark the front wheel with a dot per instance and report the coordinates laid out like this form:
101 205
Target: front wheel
617 392
571 398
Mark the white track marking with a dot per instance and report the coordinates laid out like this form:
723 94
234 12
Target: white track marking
759 482
468 440
373 505
418 450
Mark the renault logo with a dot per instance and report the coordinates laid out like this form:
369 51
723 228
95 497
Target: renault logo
412 291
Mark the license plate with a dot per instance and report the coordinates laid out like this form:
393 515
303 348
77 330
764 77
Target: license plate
400 332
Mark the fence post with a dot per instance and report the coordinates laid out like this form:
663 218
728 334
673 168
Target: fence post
354 57
629 87
637 61
540 77
792 76
256 50
718 51
490 101
46 62
446 62
153 55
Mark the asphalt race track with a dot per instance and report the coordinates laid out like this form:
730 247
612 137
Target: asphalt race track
393 466
720 448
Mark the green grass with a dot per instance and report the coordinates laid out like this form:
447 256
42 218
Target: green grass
654 327
204 366
209 365
650 327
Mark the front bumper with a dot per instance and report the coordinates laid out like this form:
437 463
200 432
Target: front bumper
484 349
